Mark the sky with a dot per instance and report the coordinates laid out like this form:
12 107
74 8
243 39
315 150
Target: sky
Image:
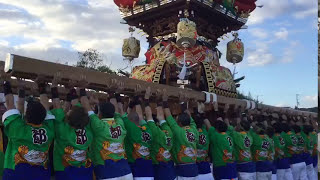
280 42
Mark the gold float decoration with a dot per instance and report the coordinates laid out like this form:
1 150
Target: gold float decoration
186 33
235 50
131 47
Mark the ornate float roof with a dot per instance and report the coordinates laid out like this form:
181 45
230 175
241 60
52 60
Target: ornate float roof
160 18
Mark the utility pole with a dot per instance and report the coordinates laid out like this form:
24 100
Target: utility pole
298 101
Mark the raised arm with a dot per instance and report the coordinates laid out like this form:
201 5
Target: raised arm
238 111
114 102
54 91
120 107
165 104
83 94
227 117
160 113
72 95
5 78
21 95
147 105
314 123
116 99
138 103
139 111
42 88
207 124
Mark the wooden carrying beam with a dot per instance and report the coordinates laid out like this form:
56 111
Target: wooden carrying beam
30 68
62 91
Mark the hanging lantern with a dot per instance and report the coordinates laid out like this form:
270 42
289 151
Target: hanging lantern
126 3
186 33
131 47
244 6
235 50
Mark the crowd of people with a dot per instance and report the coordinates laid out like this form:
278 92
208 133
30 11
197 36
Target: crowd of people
82 138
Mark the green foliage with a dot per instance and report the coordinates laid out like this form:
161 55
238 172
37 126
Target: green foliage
248 97
91 59
105 69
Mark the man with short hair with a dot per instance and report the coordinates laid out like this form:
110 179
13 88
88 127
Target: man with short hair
261 148
242 148
162 142
29 137
270 133
307 151
138 142
74 135
203 144
185 137
298 165
281 158
222 148
107 149
314 137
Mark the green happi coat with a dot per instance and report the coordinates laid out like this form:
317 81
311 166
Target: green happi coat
161 143
221 147
242 145
203 145
184 141
261 147
71 145
28 143
138 140
108 142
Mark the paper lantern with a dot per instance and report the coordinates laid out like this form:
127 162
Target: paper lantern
126 3
186 33
235 50
131 48
244 6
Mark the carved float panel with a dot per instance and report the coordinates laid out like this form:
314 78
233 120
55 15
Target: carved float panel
219 79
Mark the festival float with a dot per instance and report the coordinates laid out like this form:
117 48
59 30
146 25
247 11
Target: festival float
183 36
182 56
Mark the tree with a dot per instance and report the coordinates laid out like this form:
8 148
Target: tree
91 59
248 97
105 69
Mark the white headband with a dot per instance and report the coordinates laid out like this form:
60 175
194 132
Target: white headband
248 104
253 105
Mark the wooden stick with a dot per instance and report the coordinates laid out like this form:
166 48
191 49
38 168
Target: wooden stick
30 68
62 91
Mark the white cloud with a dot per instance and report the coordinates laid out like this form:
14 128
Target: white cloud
93 24
289 52
40 44
258 32
305 13
66 21
4 43
282 34
274 8
309 101
260 55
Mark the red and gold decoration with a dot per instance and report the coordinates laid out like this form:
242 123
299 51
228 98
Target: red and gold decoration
219 78
126 3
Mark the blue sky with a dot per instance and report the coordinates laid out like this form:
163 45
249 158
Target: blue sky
280 43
